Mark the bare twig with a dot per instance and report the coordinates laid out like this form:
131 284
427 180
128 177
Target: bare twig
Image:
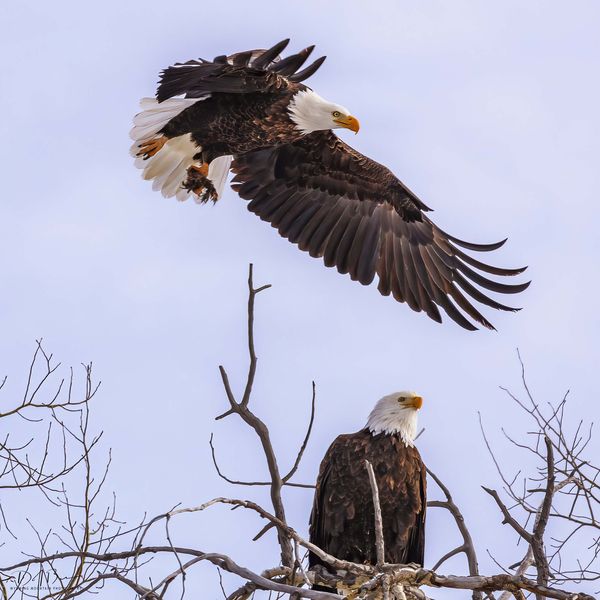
294 468
248 483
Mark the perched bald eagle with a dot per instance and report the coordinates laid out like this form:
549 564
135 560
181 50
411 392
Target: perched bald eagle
249 112
342 519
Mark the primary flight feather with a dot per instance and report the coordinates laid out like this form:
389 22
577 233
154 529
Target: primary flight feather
250 113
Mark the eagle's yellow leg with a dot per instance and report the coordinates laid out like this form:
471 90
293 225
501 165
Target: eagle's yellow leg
151 147
200 169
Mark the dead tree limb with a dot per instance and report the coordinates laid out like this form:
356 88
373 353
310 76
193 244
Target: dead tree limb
569 485
241 409
379 541
467 547
564 486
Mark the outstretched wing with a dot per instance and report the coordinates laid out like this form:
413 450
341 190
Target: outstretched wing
337 204
240 73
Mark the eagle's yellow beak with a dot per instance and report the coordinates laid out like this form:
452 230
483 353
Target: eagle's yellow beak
415 402
349 122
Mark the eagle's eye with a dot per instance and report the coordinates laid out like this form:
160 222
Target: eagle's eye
401 398
336 113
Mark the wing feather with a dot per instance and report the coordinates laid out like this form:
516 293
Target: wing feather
317 244
335 237
357 246
297 210
342 518
306 73
288 66
268 56
485 267
300 223
337 204
308 232
365 268
386 255
342 252
241 73
399 267
427 283
479 296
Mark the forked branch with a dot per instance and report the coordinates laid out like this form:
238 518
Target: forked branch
467 547
243 411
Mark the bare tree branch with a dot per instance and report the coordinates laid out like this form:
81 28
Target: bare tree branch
294 468
508 518
91 547
467 547
241 409
568 483
379 541
537 538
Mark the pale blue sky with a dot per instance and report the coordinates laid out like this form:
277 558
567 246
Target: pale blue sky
487 110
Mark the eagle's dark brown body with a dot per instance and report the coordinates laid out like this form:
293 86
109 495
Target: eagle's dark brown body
234 124
342 519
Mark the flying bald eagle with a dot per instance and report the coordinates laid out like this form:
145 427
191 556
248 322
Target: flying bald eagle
342 519
249 112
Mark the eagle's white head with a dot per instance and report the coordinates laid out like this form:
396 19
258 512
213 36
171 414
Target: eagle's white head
311 113
396 414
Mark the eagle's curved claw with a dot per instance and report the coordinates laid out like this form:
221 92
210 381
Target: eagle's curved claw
198 183
149 148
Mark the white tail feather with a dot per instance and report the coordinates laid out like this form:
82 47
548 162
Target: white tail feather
168 167
155 115
218 170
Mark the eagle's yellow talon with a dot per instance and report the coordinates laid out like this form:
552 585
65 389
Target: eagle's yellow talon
151 147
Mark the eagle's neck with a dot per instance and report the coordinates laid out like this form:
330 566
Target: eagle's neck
400 421
309 112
